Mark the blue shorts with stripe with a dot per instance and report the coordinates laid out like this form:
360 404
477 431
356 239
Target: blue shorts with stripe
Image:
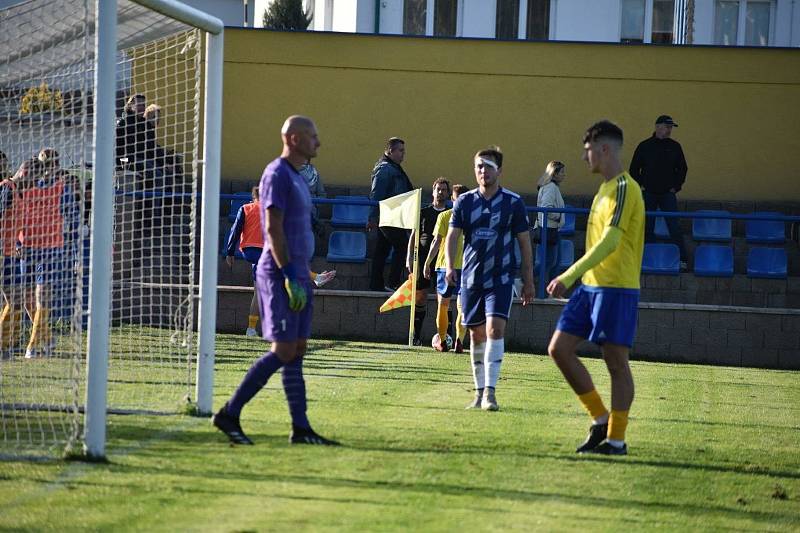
252 254
601 314
478 303
442 288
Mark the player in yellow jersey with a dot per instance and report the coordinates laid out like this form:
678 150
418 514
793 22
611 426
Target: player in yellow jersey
604 308
444 291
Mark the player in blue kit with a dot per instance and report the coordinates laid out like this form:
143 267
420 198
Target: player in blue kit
284 285
490 219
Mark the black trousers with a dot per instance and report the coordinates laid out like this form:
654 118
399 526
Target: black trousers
389 239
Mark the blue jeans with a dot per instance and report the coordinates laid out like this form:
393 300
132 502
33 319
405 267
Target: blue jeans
553 253
666 201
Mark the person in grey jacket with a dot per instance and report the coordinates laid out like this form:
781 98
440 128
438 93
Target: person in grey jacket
388 179
550 196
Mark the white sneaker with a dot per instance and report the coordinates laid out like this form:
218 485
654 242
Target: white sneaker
251 332
488 403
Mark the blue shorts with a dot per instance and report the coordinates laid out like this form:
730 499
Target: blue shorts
45 266
477 303
278 322
252 254
601 314
11 275
443 289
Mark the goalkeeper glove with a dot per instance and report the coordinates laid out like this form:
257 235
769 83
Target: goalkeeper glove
295 291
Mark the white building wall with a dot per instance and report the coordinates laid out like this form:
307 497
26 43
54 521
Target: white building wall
580 20
479 18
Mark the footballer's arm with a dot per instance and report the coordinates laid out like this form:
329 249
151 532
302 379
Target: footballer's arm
451 246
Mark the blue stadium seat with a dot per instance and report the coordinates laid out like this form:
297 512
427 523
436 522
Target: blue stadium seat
661 258
714 260
347 247
236 203
766 263
712 229
566 255
765 231
350 216
661 230
568 228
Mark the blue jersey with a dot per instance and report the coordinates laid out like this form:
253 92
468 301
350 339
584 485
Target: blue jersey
490 228
284 188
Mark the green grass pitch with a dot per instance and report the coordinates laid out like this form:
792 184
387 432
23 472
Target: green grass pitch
711 448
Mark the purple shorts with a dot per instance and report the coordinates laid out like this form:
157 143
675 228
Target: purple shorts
278 322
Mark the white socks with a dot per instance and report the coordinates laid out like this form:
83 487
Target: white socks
478 375
495 348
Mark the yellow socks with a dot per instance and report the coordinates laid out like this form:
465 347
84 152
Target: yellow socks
10 322
252 321
593 404
40 333
617 423
461 330
441 320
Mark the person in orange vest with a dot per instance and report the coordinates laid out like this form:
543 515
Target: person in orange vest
50 224
11 283
246 230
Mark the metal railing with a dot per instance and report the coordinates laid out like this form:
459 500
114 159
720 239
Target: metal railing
542 271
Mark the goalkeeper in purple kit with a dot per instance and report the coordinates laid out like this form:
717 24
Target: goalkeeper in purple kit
284 285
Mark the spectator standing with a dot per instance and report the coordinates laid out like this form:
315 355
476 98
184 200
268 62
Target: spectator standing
549 195
388 179
5 166
317 190
284 282
490 218
659 166
133 132
246 232
427 223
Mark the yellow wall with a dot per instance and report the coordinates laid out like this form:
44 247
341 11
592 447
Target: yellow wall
738 109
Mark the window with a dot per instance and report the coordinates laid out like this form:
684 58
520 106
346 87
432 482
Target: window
632 24
538 20
726 23
414 12
743 22
757 24
445 13
507 17
663 21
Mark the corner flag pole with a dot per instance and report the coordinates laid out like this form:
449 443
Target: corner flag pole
415 266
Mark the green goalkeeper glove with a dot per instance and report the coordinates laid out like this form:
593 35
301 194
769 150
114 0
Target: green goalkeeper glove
295 291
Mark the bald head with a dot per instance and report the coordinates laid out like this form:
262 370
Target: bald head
296 124
300 139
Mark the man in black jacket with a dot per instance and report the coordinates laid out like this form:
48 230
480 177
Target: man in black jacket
658 165
388 179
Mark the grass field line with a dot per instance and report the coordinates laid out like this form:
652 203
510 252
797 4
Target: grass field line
74 470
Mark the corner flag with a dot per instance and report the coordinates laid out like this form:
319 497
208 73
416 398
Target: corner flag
402 211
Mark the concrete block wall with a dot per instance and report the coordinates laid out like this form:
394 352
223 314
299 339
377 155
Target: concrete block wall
677 333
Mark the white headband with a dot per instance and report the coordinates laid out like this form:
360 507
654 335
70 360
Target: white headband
488 163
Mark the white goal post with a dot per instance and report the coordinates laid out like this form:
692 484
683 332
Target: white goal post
110 134
102 217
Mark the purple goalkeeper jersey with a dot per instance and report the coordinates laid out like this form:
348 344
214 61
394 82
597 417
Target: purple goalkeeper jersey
284 188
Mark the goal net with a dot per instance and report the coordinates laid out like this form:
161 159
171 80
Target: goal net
47 120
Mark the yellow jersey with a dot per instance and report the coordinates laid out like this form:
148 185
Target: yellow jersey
617 203
442 225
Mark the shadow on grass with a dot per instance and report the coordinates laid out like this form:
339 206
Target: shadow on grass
623 502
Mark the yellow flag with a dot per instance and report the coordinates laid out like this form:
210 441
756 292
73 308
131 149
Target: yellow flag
401 211
402 297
